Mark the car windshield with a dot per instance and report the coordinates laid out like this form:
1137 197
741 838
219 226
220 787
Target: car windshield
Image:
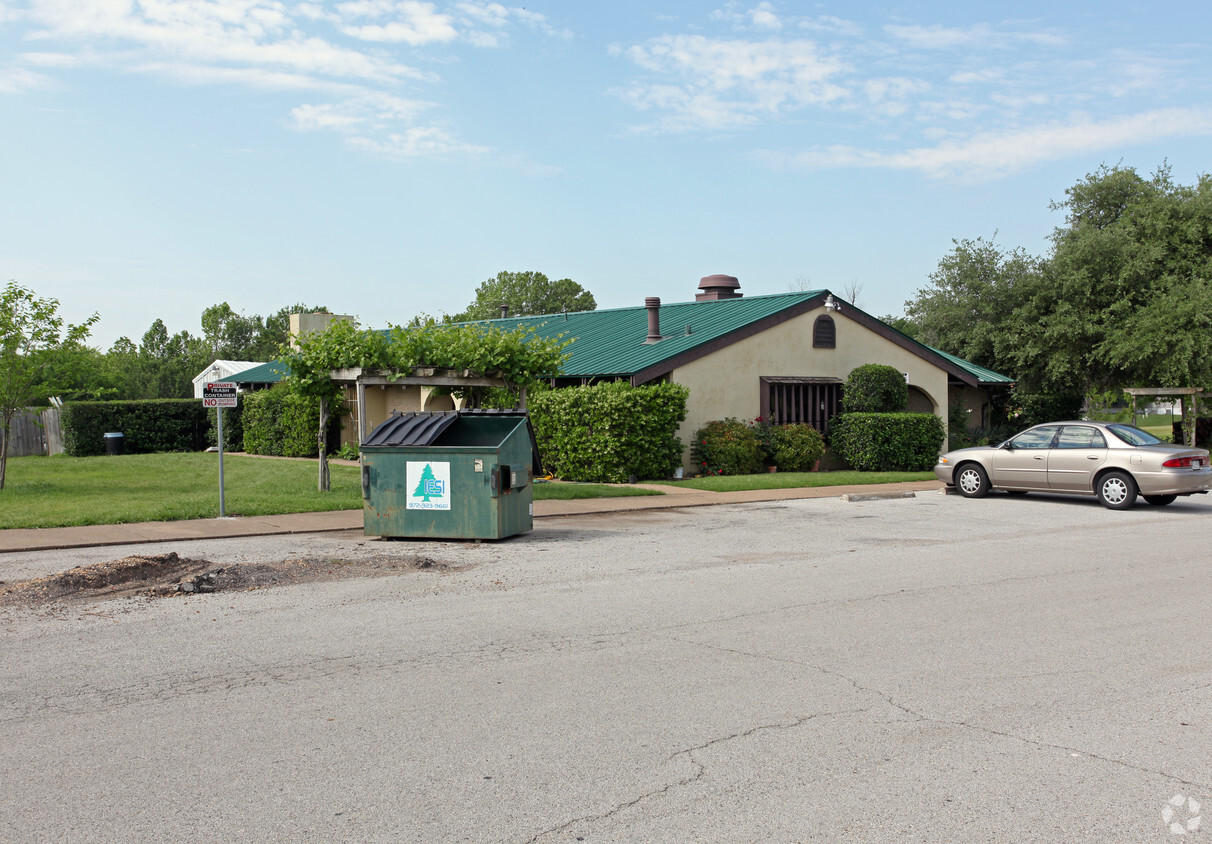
1133 436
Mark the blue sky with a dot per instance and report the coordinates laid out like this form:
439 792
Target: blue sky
384 157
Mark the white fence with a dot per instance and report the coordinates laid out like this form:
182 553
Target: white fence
35 432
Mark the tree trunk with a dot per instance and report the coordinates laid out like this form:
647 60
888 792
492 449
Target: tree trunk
4 448
322 446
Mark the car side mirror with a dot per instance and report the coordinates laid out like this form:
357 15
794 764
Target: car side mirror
1008 445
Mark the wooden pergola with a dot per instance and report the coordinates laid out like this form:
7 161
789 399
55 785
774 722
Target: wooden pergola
421 376
1187 395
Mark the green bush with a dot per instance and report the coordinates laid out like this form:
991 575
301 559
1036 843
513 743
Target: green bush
146 426
608 432
796 448
887 442
280 422
1027 409
727 447
875 388
233 426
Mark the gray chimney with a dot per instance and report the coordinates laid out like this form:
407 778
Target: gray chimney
718 287
653 304
504 310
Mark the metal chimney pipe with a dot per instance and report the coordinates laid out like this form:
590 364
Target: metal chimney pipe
653 304
504 310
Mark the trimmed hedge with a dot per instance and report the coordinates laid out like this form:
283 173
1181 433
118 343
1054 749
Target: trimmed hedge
887 442
146 426
607 432
280 422
728 447
875 388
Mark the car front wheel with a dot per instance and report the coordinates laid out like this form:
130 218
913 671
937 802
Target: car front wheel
971 481
1117 490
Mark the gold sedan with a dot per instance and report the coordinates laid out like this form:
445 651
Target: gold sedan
1111 461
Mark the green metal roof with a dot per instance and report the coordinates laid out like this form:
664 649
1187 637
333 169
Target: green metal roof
266 373
985 376
611 342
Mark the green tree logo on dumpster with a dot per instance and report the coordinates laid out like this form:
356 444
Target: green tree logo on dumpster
430 485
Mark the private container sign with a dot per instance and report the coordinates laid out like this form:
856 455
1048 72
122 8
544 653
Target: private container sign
219 394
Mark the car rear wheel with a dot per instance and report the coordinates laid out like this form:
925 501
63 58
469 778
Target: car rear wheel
971 481
1160 500
1117 490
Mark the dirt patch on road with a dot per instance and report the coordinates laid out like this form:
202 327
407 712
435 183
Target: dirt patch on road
166 575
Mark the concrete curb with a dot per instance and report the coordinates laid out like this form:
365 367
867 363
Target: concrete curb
52 539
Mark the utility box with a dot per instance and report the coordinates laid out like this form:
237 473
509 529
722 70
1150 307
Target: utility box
455 474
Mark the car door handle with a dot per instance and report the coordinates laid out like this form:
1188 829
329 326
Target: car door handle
1091 456
1037 456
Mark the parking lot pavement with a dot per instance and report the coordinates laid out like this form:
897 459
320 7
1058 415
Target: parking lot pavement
924 669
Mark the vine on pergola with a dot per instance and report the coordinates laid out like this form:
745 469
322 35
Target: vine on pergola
520 358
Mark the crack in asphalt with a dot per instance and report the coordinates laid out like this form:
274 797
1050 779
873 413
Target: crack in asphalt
967 725
700 770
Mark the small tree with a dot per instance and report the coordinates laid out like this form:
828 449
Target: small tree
526 294
875 388
32 335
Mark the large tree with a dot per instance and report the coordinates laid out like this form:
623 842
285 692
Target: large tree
1129 298
1123 299
32 339
526 294
971 305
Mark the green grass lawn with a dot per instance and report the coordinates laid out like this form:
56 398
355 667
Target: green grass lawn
789 480
62 491
559 491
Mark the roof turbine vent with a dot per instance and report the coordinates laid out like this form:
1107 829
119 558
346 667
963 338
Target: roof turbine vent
718 287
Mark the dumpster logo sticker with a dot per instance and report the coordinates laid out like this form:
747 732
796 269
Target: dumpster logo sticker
429 484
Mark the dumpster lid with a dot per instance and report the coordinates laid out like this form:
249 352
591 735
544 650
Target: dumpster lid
412 428
423 427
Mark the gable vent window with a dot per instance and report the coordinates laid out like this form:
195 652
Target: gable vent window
824 333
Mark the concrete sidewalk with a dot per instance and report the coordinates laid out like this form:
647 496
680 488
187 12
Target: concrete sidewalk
48 539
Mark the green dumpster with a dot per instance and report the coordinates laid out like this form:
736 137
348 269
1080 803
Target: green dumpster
455 474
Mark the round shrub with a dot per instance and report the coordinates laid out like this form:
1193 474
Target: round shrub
727 447
875 388
796 448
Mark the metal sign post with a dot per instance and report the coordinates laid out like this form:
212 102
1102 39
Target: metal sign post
220 394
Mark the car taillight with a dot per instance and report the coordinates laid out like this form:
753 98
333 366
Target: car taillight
1184 463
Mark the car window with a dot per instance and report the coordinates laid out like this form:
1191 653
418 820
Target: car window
1133 436
1040 437
1081 436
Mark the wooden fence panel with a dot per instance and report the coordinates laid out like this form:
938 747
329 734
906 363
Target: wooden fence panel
35 433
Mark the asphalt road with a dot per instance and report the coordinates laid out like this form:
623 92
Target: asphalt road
929 669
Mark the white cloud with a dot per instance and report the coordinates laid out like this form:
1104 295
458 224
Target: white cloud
20 80
417 142
404 22
981 35
354 54
723 83
992 155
